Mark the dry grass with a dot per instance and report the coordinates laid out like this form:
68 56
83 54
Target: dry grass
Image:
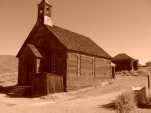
125 103
8 79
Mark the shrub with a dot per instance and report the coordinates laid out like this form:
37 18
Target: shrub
125 103
144 103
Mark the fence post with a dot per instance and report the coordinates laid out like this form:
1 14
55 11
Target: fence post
148 78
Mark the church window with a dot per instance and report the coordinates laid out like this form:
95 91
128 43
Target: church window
47 10
41 11
37 65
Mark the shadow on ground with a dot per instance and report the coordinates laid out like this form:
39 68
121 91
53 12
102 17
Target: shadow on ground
14 91
7 89
109 106
145 105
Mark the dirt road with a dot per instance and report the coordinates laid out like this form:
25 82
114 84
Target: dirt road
87 100
85 105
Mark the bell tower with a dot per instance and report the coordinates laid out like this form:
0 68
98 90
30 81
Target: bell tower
44 13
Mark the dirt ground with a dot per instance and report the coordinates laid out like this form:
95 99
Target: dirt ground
87 100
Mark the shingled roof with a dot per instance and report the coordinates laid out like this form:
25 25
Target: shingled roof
77 42
34 50
72 41
122 56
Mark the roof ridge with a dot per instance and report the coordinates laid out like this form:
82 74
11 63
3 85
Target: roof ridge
77 42
122 56
71 31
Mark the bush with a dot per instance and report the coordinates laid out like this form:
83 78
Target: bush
144 103
125 103
140 97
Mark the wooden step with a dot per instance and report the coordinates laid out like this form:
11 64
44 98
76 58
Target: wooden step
20 91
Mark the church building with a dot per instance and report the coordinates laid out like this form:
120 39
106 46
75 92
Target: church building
53 59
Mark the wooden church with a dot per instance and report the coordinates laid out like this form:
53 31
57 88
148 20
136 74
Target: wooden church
53 59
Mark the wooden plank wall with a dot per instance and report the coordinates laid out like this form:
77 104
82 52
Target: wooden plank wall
39 86
102 68
54 83
45 83
73 65
83 71
86 65
26 67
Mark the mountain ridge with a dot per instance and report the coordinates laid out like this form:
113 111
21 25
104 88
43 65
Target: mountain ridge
8 64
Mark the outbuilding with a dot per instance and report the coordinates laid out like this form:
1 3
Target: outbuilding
125 62
148 64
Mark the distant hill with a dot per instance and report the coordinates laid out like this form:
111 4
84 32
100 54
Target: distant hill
8 64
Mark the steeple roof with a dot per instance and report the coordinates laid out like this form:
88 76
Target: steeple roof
45 1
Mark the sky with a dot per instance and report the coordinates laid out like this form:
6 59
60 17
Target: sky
118 26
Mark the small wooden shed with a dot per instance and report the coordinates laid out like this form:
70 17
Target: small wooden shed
54 59
125 62
148 64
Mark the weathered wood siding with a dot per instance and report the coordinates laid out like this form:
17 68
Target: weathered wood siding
83 70
57 65
86 65
46 41
54 83
49 83
53 52
77 70
103 68
39 84
26 67
72 64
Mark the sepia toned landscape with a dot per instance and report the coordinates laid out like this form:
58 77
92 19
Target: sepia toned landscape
94 98
75 56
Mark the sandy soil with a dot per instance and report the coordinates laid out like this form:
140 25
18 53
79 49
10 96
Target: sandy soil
88 100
